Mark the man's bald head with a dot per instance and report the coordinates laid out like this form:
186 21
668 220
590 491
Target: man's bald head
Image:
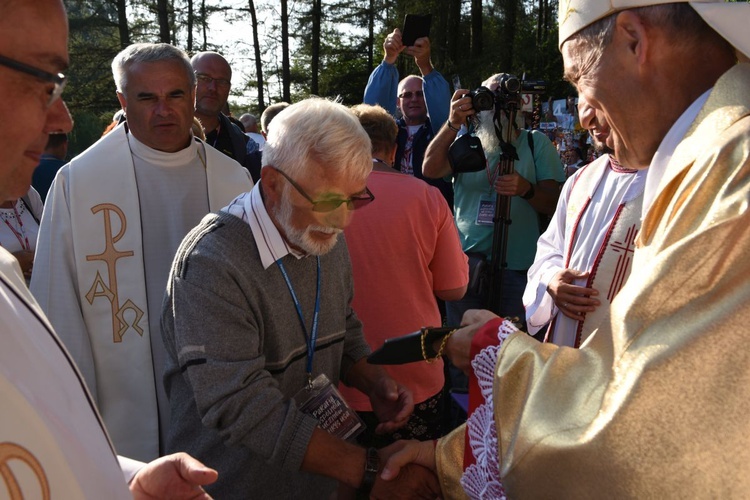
213 58
214 82
410 100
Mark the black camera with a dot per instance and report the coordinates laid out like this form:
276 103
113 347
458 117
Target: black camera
508 92
533 87
482 99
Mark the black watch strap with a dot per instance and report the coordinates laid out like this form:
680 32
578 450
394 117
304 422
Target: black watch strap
372 465
528 194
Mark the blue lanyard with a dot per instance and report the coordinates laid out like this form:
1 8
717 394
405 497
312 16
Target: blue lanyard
313 337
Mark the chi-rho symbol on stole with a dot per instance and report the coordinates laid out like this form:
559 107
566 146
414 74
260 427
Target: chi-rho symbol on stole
101 290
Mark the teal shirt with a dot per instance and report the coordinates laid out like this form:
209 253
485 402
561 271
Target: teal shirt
524 231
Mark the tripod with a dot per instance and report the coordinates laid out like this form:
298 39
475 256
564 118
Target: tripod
501 220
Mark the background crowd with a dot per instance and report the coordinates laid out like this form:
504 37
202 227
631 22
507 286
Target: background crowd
202 287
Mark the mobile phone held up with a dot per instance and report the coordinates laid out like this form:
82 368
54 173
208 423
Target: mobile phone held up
415 26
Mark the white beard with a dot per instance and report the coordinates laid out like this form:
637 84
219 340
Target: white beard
486 132
486 129
302 238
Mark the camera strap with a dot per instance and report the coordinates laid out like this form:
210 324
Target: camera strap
509 151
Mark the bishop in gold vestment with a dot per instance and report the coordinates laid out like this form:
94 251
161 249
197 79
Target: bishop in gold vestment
657 403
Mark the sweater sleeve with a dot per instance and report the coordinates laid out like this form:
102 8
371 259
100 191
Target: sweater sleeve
382 87
218 345
437 96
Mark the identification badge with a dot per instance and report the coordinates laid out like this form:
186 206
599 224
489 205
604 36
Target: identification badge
486 211
324 402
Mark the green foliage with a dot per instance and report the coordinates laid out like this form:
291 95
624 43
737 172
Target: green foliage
351 40
94 41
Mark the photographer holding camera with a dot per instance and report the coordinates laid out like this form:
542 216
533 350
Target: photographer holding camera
533 188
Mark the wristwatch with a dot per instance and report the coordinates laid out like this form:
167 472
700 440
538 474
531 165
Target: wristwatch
372 465
528 194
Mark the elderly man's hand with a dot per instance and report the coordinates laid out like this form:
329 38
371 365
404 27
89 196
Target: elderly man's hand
392 403
393 46
177 476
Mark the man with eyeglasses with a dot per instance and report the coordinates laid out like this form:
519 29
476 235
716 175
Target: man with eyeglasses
53 442
258 306
423 103
114 217
214 81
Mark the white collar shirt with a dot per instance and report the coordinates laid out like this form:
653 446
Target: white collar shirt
271 244
667 148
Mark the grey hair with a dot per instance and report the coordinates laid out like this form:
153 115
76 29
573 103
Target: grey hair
679 19
493 79
321 131
148 52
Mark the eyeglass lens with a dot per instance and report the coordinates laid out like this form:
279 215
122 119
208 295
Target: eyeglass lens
409 95
207 80
58 80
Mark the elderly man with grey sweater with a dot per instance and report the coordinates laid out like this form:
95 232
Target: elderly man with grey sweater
258 304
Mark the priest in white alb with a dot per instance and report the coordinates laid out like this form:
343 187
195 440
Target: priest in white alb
53 443
585 256
114 218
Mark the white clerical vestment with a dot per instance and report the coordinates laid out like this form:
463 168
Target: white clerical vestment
52 441
594 227
114 218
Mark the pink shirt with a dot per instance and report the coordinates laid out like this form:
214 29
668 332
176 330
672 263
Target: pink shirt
403 247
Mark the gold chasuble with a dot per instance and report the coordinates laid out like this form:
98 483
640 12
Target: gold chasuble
657 404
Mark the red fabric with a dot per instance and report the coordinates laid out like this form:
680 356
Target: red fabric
485 337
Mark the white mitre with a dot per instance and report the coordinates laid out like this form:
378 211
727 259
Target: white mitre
729 19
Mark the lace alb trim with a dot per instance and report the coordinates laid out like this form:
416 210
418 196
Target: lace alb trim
481 480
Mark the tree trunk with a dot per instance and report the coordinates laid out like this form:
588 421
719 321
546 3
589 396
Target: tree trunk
286 73
258 61
162 11
371 37
476 28
540 22
454 30
315 49
190 21
507 39
122 23
204 23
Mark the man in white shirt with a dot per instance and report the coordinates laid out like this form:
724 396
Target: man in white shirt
250 122
52 440
116 214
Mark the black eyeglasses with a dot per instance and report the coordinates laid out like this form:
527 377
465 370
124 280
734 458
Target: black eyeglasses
409 95
220 82
352 203
59 80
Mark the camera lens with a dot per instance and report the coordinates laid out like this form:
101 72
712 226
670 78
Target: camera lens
510 84
483 99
